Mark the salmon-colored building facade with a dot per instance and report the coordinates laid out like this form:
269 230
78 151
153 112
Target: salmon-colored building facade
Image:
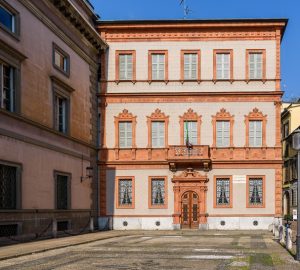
190 117
48 117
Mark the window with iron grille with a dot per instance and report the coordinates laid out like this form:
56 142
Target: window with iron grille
7 87
62 191
255 191
8 187
294 196
223 191
125 192
157 191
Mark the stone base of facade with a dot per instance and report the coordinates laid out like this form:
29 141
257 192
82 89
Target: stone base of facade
166 223
240 223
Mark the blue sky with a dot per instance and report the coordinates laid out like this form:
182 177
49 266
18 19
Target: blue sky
214 9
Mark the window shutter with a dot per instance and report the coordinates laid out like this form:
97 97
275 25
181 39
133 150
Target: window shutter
158 66
226 66
219 128
219 66
158 134
122 134
161 134
128 134
258 66
255 66
255 133
125 66
190 129
226 133
190 66
251 133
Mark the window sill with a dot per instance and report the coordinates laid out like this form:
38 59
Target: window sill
164 206
16 36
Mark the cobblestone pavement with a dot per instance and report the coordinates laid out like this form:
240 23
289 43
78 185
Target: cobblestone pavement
165 250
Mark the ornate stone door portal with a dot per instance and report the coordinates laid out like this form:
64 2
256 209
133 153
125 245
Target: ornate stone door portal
190 200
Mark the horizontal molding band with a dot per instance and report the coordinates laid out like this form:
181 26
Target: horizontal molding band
215 215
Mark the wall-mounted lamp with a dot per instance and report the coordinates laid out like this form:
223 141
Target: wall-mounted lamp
88 172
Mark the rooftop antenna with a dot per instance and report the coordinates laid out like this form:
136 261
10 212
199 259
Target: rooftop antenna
186 10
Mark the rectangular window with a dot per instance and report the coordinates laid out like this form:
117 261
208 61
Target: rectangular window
294 196
255 133
62 191
286 130
125 66
125 192
61 113
157 191
255 66
223 192
158 66
190 66
125 134
190 132
158 134
61 60
8 187
7 87
223 133
7 19
255 189
223 66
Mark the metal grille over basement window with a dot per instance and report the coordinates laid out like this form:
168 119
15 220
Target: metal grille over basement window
157 191
8 187
223 191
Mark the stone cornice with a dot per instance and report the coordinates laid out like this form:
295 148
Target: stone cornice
87 30
45 20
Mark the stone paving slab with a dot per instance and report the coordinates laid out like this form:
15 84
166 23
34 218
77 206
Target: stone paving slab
155 250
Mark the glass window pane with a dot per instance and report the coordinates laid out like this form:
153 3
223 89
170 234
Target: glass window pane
157 191
8 187
255 191
223 191
62 191
7 19
125 192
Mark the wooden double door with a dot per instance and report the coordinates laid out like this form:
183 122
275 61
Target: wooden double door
190 210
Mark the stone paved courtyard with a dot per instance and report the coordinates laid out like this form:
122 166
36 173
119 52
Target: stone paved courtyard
165 250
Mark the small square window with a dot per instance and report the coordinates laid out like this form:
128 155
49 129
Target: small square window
61 60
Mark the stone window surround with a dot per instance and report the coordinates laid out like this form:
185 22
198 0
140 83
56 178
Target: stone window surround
159 206
69 175
55 47
263 52
182 53
117 65
150 53
125 116
13 58
157 116
61 89
222 51
222 115
190 115
256 115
